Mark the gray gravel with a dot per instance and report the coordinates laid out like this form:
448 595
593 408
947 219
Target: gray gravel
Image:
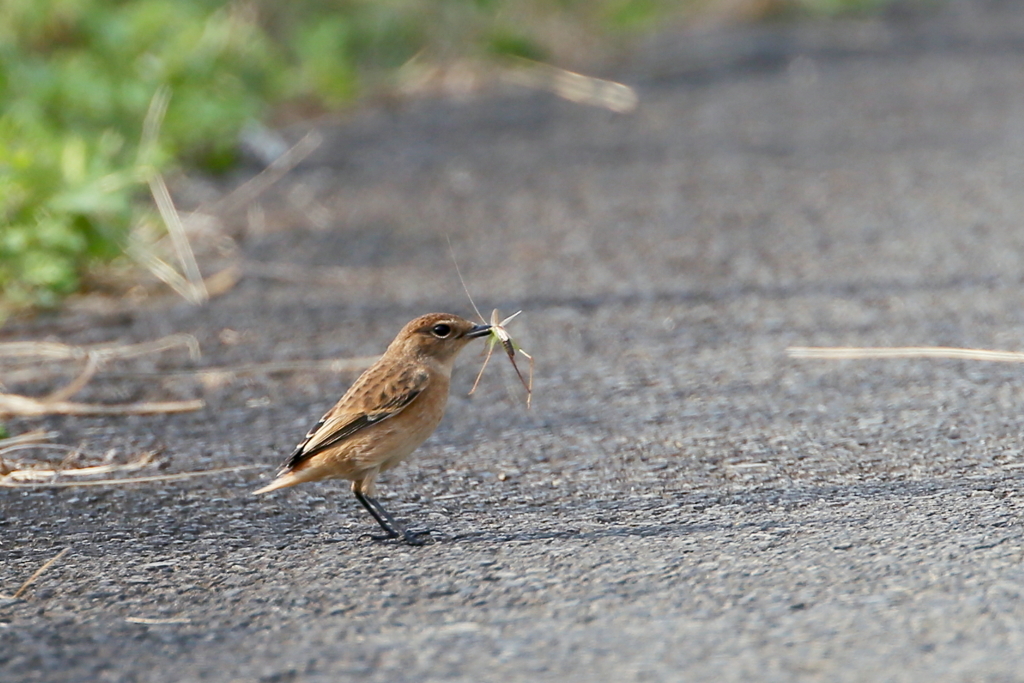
684 502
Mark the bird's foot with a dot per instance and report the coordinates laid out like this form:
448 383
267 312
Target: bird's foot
417 537
407 537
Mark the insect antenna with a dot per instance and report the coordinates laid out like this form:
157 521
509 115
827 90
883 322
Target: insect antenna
458 271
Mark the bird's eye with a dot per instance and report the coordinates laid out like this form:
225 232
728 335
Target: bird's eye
441 330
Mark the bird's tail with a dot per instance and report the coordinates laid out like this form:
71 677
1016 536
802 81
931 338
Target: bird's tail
283 481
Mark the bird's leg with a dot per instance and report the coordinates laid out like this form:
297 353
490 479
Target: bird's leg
391 526
387 523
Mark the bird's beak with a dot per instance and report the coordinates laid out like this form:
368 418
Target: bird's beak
478 331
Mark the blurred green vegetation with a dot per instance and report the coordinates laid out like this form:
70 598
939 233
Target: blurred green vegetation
78 76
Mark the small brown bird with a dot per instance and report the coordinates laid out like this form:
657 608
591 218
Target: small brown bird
389 411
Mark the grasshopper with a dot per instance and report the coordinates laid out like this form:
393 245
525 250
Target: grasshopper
498 335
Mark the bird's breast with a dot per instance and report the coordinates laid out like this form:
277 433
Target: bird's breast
399 436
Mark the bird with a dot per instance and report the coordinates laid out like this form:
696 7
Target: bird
384 416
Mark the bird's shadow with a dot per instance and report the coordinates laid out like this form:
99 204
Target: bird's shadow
779 503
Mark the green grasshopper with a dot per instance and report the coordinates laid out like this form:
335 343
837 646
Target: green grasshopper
499 335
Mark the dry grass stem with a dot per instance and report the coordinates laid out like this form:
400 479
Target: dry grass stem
33 475
223 281
57 403
132 480
144 255
155 622
13 405
35 437
195 289
246 194
190 286
75 385
7 450
33 350
854 353
152 123
186 279
39 572
572 86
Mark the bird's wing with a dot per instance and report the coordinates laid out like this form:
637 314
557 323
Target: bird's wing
352 415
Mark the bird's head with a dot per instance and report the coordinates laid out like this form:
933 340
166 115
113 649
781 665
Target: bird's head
437 336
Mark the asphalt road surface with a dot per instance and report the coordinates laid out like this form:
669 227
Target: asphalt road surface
684 501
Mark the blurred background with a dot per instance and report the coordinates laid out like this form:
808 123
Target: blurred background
100 100
683 500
